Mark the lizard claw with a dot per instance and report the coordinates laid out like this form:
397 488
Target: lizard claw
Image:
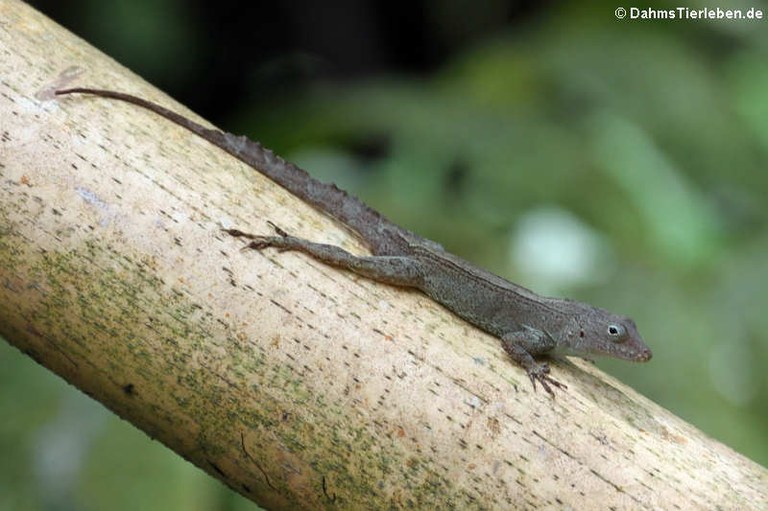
277 229
540 372
237 233
259 242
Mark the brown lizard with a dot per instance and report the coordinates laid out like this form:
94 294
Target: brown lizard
528 324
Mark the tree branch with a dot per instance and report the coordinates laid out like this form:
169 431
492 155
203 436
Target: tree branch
300 386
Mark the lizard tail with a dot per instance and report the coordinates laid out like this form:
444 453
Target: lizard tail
382 236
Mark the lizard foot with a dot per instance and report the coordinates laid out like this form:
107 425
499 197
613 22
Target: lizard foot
540 372
259 242
237 233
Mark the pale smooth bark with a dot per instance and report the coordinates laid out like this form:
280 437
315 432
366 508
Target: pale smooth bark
298 385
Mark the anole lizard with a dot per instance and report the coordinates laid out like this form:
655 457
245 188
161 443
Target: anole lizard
527 324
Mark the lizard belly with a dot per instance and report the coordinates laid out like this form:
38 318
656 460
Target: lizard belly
481 307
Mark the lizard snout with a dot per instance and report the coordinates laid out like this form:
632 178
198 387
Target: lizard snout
644 356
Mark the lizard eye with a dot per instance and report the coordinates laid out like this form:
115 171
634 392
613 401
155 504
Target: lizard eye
617 332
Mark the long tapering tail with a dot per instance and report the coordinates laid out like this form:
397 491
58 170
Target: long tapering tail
382 236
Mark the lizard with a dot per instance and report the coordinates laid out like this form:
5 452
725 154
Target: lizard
529 325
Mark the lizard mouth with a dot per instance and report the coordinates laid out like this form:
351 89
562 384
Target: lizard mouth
644 356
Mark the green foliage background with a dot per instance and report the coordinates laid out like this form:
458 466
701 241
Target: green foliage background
652 134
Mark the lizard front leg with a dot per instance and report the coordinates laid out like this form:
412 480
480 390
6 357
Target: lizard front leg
520 344
394 270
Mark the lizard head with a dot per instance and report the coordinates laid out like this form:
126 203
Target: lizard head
600 332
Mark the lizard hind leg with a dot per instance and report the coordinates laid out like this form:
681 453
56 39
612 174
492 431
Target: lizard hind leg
395 270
